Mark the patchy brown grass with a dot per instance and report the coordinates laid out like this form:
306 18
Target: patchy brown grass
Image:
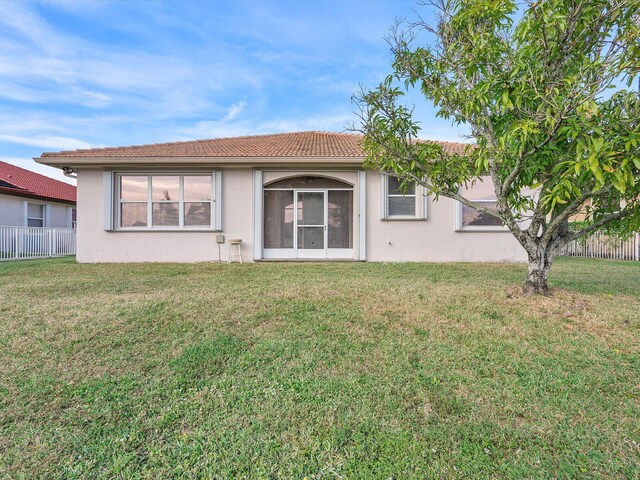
293 370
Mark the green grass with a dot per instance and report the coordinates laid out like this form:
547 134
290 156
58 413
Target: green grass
340 370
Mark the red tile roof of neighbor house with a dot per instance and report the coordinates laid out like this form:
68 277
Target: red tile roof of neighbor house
298 144
25 183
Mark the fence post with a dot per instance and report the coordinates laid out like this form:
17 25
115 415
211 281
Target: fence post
637 246
18 242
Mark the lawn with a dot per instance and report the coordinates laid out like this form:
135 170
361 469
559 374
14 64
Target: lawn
340 370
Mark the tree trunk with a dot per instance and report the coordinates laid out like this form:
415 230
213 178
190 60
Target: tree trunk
539 265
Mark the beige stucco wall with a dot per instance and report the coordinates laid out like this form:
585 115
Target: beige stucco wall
97 245
430 240
12 212
433 239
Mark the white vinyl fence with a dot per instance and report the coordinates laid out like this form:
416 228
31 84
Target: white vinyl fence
17 243
600 245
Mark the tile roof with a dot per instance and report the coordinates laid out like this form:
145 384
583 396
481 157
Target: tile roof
278 145
18 181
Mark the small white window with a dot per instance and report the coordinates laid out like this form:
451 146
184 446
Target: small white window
35 215
166 201
468 218
401 204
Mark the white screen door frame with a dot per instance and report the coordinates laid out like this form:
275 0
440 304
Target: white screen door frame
305 231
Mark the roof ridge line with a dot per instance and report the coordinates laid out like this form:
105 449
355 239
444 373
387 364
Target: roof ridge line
177 142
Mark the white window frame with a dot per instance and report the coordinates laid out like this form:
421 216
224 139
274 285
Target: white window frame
215 220
459 227
71 223
44 213
420 208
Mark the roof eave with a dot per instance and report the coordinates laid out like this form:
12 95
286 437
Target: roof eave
35 196
107 161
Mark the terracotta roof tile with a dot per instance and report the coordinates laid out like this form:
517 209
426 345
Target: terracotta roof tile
18 181
278 145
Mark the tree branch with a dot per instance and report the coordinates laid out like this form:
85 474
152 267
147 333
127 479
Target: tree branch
570 210
596 225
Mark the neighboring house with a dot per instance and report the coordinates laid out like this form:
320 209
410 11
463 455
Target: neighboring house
30 199
287 196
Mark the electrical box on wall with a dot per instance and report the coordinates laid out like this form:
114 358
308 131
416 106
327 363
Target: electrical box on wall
219 238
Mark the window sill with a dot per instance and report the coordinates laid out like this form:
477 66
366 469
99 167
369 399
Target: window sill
482 229
163 230
403 219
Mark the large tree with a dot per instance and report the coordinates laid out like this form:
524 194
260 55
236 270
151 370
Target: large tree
539 85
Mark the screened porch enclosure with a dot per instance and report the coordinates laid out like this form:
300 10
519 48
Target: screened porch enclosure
308 217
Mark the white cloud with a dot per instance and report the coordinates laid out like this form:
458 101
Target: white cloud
21 19
235 110
329 122
97 99
40 64
47 141
216 129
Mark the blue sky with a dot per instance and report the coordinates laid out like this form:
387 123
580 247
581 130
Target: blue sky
79 74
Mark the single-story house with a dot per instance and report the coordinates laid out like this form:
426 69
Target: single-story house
289 196
28 199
